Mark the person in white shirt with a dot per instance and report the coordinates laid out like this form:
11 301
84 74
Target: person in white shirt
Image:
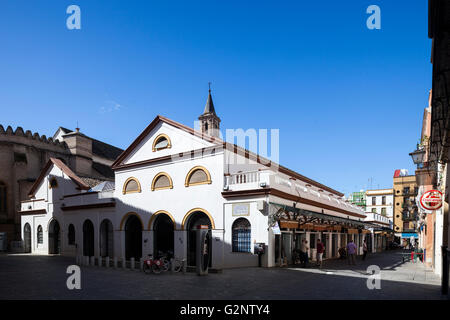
365 250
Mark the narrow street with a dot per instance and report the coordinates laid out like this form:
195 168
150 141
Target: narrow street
44 277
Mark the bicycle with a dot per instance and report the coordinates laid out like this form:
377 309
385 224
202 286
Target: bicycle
155 265
178 264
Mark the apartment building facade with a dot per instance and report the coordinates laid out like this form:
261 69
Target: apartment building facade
405 207
381 201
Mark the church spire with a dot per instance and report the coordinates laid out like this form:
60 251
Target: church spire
209 107
210 122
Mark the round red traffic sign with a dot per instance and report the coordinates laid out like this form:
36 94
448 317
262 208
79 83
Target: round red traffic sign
431 200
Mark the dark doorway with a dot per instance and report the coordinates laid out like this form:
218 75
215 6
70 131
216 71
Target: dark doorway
27 238
133 238
106 239
277 249
88 238
54 243
196 219
369 242
163 234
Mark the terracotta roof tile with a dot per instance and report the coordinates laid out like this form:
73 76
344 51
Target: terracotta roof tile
53 161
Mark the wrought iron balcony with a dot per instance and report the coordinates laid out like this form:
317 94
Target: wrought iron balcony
407 216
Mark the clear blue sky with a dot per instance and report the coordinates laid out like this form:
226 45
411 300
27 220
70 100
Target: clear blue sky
348 101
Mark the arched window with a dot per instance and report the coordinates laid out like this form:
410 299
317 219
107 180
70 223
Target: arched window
162 181
162 141
197 175
53 183
2 197
40 236
71 234
131 185
242 235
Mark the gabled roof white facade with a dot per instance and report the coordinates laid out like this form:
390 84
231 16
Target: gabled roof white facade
181 141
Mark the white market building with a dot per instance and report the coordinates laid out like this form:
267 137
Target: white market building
172 179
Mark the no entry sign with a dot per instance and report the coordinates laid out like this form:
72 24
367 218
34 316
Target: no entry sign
431 200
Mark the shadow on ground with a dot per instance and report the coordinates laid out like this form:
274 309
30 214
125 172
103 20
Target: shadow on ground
44 277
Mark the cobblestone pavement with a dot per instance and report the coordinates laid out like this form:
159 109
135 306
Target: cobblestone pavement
44 277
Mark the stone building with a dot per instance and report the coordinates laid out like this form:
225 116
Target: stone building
23 155
439 141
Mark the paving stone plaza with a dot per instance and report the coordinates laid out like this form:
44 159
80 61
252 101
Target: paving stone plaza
44 277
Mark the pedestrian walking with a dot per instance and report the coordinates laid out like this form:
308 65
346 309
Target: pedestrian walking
320 250
304 249
351 251
365 250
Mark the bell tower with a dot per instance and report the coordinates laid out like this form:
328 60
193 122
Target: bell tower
209 121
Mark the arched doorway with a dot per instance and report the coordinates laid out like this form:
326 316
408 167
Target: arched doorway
27 238
88 238
133 238
163 234
106 239
54 243
194 220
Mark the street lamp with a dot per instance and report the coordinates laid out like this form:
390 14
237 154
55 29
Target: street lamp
418 156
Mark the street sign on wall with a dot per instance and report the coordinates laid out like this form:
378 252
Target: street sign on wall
241 209
431 200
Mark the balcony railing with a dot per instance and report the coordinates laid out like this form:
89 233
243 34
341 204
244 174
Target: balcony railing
409 217
244 177
247 180
409 192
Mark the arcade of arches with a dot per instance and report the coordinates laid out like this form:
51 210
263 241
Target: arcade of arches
162 225
163 238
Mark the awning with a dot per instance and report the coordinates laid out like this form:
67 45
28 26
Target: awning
409 235
323 216
288 224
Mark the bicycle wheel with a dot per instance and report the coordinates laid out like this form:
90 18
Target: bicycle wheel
166 264
156 269
177 265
